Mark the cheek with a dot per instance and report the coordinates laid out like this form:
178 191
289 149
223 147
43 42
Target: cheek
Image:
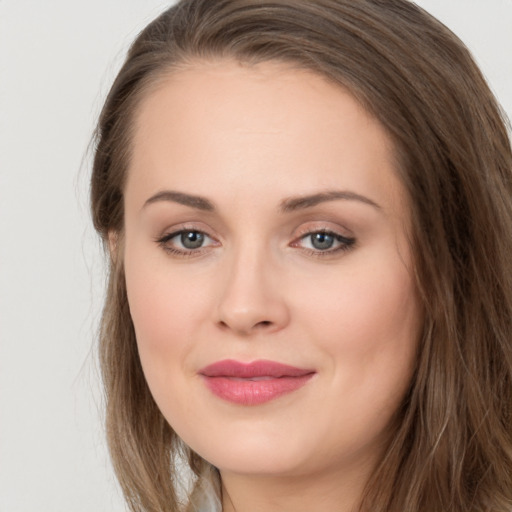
163 304
373 301
368 320
154 308
367 323
166 310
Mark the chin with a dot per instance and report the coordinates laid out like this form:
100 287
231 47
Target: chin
263 462
253 452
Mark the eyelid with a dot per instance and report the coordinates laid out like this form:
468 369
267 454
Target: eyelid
170 233
309 228
344 242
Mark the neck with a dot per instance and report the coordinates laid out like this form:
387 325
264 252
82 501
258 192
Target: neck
328 492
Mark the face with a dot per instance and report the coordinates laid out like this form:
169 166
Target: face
268 269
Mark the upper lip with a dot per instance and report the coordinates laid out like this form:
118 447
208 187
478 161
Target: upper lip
260 368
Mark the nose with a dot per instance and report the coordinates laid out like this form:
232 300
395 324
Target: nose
252 299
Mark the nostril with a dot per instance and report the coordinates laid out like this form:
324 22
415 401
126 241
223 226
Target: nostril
264 323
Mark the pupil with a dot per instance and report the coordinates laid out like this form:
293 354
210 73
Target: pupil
192 239
322 241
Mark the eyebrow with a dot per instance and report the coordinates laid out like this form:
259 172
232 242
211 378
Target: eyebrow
197 202
303 202
287 205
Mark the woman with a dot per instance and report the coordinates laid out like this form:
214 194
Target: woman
309 215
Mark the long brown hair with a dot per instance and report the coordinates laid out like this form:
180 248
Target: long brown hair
451 447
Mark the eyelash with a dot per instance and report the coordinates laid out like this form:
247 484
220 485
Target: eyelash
164 243
345 243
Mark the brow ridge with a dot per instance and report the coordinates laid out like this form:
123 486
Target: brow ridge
198 202
299 203
287 205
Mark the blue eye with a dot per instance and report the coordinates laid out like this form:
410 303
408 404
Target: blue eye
322 241
185 241
326 242
191 239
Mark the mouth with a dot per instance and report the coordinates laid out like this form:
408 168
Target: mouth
253 383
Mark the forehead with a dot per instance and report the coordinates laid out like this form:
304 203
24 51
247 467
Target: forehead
265 97
216 123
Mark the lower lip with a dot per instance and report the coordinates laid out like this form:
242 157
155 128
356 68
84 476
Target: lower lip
254 392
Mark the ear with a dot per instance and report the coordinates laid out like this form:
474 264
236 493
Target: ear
113 244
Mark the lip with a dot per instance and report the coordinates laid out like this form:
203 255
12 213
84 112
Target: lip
253 383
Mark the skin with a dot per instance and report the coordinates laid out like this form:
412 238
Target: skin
249 140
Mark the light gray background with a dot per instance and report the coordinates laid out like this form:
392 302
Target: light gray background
57 59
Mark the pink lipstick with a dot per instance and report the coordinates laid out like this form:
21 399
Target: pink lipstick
253 383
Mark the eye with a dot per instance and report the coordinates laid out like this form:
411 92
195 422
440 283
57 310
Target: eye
185 241
324 242
191 239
